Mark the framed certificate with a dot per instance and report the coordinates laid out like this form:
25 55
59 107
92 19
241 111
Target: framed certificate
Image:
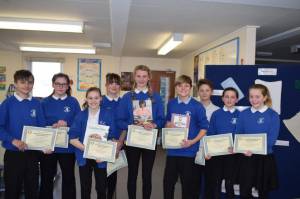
62 137
256 143
181 121
100 150
173 137
38 138
120 162
216 145
139 137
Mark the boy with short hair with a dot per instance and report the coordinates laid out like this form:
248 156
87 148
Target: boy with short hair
20 165
180 162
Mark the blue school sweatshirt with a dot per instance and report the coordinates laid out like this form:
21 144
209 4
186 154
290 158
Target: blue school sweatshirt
198 121
112 105
14 114
125 109
78 129
260 122
60 109
223 121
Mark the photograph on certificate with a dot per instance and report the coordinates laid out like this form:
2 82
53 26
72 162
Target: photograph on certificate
139 137
216 145
98 129
38 138
120 163
180 120
172 138
255 143
142 110
100 150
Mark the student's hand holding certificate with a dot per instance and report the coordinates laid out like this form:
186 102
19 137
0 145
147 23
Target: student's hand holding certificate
19 144
186 143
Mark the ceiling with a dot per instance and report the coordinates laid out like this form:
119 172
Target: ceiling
139 27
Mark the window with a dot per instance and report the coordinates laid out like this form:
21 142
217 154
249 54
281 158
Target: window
43 72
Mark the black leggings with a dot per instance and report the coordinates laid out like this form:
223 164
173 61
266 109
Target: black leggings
133 156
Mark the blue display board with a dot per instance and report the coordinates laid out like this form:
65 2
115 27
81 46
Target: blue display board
287 157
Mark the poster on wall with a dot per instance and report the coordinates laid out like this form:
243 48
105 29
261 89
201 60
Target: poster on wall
88 73
126 81
2 78
196 65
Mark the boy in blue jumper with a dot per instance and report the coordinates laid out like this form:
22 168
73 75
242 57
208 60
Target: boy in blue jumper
20 165
222 167
258 171
60 109
110 102
180 162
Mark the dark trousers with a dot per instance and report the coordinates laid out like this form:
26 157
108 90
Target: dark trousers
85 173
198 178
217 169
111 185
133 156
183 167
21 168
48 172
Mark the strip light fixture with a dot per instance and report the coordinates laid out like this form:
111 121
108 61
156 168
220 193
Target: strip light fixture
41 25
170 44
56 49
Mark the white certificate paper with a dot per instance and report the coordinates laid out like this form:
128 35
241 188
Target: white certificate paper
100 150
139 137
62 137
256 143
38 138
216 145
173 137
120 162
98 129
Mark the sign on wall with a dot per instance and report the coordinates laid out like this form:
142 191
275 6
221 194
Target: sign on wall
88 74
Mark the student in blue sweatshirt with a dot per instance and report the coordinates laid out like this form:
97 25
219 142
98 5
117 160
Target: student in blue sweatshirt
92 115
258 171
20 165
60 109
180 162
218 168
110 102
125 116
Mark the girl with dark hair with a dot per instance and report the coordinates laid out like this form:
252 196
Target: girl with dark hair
92 116
60 109
141 91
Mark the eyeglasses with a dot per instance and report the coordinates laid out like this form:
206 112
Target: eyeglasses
60 85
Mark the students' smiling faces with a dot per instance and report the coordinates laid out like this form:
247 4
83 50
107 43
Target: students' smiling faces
230 97
256 98
93 98
60 86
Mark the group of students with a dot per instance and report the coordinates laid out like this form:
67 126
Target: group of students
60 109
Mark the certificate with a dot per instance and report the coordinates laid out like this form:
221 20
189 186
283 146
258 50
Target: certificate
120 162
62 137
98 129
173 137
216 145
38 138
181 121
256 143
100 150
139 137
200 158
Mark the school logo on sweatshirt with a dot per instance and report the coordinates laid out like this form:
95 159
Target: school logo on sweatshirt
233 120
67 109
261 120
33 113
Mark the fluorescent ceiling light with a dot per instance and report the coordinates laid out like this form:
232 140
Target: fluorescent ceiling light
170 44
41 25
56 49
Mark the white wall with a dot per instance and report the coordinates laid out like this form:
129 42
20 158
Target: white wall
247 37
